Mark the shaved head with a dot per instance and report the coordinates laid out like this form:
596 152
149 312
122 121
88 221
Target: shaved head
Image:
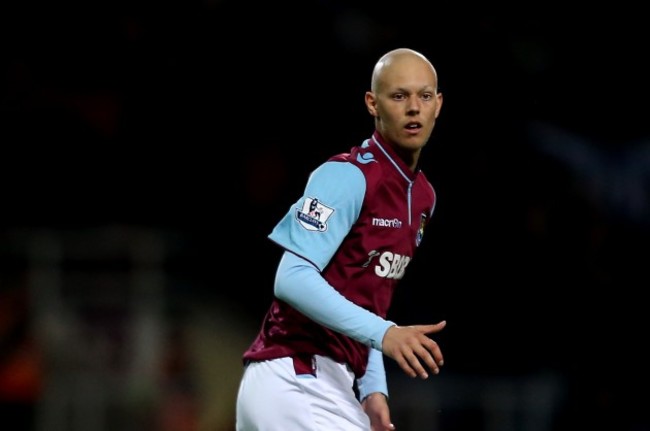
405 101
399 56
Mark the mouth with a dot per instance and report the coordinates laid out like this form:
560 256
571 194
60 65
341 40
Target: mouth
413 127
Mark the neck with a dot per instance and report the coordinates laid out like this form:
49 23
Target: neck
409 157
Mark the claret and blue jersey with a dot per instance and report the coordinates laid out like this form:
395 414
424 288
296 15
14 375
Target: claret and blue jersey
359 222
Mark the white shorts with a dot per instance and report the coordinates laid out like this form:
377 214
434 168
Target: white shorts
272 397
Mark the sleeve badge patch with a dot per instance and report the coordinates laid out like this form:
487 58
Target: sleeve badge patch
313 215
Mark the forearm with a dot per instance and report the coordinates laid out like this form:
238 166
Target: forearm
301 285
375 378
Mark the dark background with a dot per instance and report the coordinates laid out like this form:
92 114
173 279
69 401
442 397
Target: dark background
197 123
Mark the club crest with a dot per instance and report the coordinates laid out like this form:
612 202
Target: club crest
420 234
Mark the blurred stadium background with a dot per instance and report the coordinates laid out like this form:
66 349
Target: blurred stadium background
148 149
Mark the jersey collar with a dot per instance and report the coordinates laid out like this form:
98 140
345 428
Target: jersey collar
392 156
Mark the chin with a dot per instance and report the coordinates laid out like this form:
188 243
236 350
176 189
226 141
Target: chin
412 144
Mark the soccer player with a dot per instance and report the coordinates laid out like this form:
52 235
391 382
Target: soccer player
317 362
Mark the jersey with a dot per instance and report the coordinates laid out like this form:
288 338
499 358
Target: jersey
360 220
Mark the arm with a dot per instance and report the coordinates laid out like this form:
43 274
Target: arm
374 381
300 284
340 188
373 392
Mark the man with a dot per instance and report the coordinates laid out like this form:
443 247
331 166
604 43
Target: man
317 362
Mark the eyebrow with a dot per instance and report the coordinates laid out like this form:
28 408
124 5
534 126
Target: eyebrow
421 89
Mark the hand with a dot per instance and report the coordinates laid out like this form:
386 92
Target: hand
376 407
409 345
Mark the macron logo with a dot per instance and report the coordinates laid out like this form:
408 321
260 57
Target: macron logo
385 222
365 158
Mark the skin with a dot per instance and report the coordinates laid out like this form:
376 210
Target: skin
405 102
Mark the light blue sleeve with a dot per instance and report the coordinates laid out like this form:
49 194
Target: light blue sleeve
317 222
375 378
301 285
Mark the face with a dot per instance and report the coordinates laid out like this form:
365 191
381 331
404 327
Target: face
405 102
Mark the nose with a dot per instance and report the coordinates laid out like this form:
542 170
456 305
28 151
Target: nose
413 106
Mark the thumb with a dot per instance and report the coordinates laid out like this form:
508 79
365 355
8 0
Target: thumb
387 424
436 327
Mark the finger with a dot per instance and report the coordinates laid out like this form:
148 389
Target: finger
406 366
426 357
416 365
386 423
433 351
383 427
411 363
432 329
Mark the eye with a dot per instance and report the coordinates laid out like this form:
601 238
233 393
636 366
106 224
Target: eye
399 96
427 96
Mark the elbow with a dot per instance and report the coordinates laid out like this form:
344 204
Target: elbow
280 290
293 276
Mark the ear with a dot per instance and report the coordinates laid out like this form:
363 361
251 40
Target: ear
439 96
371 103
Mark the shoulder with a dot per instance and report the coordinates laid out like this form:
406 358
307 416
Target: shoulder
337 179
337 171
364 159
362 163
